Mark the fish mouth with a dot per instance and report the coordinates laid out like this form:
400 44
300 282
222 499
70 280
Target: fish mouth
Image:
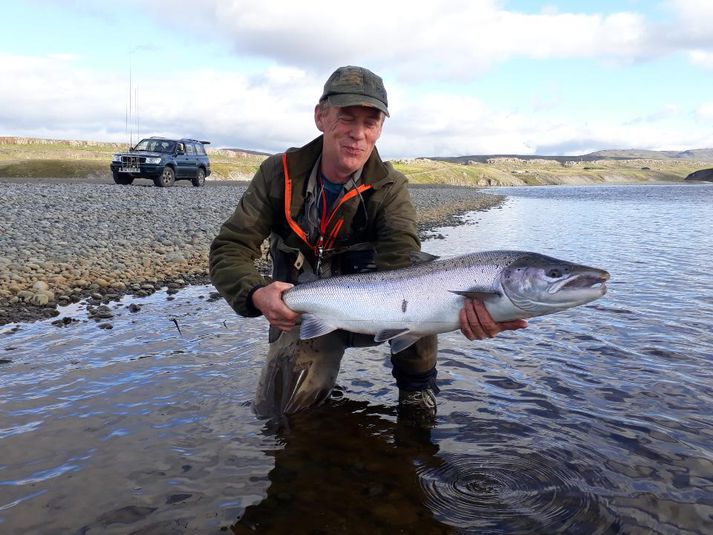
588 280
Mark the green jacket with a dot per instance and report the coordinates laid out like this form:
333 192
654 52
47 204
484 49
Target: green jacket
389 225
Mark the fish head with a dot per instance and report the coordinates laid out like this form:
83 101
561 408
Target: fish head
541 284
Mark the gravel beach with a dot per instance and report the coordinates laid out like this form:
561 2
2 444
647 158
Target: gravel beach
69 241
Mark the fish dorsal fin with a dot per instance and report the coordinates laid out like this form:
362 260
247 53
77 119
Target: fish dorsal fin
388 334
481 295
419 257
404 341
313 326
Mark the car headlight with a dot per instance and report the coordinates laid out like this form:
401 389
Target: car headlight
153 161
116 158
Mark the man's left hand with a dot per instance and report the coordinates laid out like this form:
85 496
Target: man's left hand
476 323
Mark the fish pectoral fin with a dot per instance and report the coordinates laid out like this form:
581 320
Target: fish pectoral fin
313 326
420 257
404 341
481 295
306 276
388 334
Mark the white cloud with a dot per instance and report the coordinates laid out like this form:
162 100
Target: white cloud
669 111
443 125
440 39
44 97
705 111
416 46
701 58
274 110
694 17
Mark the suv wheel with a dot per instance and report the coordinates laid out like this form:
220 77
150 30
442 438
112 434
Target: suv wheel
166 178
200 178
122 179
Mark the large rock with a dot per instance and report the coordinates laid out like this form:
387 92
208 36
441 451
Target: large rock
702 174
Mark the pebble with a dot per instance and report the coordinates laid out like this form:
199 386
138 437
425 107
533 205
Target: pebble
99 241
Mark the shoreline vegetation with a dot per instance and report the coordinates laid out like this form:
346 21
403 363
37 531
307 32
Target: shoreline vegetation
29 158
70 235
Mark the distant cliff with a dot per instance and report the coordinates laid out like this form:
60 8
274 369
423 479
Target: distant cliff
13 140
610 154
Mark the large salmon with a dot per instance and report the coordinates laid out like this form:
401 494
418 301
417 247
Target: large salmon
405 304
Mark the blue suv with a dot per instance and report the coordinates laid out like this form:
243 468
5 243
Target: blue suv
164 161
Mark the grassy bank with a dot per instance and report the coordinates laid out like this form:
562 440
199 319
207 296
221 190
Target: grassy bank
517 172
35 158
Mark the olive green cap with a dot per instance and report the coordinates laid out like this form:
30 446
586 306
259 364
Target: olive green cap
355 86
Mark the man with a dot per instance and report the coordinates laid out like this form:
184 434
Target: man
330 207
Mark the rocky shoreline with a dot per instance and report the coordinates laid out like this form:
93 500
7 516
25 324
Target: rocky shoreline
63 243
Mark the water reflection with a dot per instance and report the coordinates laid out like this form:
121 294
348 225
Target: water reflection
346 467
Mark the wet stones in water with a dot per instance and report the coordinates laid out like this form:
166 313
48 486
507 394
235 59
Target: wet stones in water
173 287
133 307
5 361
101 312
64 322
214 296
105 326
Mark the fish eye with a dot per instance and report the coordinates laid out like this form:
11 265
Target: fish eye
554 273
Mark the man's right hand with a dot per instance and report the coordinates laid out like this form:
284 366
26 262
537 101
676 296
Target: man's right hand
268 300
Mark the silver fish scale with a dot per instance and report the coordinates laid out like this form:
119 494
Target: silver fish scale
420 294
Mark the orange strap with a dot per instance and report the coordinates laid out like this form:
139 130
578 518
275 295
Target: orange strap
337 227
288 201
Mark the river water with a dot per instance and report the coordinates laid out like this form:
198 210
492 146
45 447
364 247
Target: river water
598 419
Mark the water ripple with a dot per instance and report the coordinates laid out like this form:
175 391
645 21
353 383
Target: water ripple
539 492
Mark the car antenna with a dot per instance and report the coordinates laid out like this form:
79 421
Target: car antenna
132 114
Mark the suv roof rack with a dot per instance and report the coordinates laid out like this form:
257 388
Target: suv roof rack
179 139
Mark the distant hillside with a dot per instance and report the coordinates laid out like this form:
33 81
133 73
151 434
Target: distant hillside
611 154
29 157
26 157
629 154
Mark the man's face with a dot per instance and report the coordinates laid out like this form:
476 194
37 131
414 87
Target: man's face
349 137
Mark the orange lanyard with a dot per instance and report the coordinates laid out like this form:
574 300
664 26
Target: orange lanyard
325 219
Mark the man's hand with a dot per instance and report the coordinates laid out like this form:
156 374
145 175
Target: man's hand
268 300
477 324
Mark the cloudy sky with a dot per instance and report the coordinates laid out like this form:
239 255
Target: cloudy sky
463 76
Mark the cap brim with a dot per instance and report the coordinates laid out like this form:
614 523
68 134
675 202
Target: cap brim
344 100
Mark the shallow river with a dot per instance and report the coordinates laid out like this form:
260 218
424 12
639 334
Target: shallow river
594 420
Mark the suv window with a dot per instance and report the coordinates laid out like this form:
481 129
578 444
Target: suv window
200 149
190 149
155 145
